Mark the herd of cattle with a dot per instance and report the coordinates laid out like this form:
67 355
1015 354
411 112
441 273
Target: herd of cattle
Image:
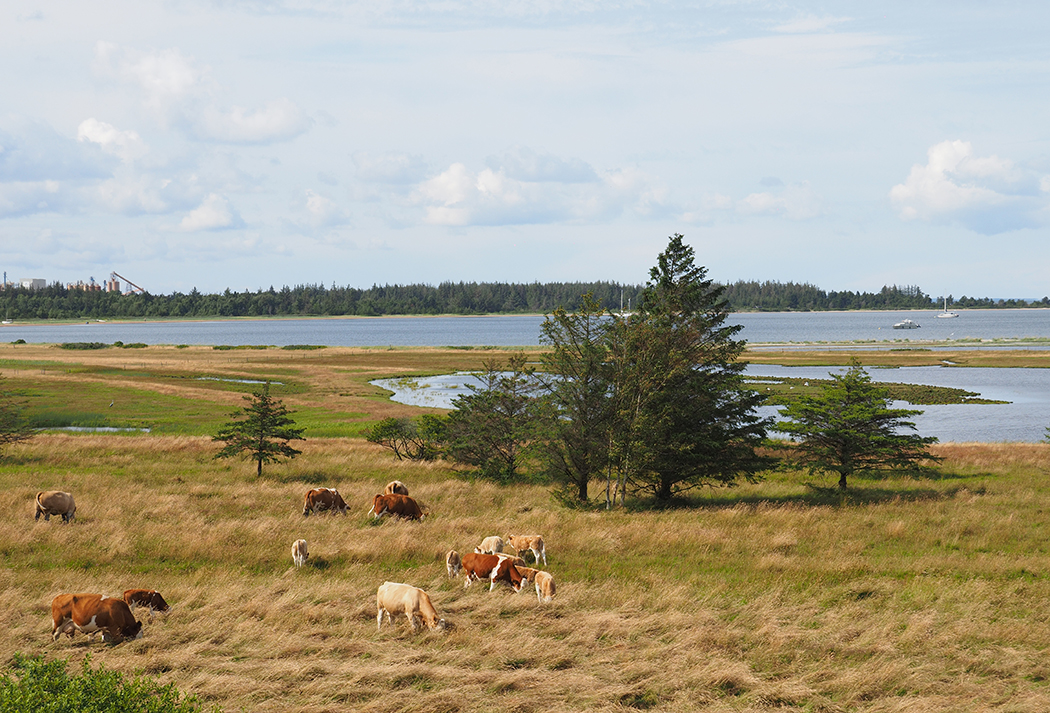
96 613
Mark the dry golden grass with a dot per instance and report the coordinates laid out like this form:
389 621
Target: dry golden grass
909 595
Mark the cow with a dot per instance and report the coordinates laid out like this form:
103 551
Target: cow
55 502
91 614
453 564
544 586
490 545
395 487
520 543
527 573
395 598
493 568
399 505
299 553
148 598
514 559
320 499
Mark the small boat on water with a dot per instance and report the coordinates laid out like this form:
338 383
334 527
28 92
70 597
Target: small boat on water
946 314
906 324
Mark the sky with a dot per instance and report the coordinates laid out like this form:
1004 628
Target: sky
244 144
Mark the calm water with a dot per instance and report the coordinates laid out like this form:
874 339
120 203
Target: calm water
1023 419
524 330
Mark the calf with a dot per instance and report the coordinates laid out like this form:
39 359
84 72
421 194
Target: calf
490 545
299 553
394 598
493 568
544 587
397 505
395 487
321 499
453 563
55 502
148 598
520 543
91 614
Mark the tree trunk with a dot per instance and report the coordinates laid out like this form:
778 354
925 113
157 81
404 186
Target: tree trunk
258 472
842 481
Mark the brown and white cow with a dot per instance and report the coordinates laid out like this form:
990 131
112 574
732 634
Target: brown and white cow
395 598
527 573
321 499
514 559
544 586
453 563
299 553
395 487
493 568
520 543
150 599
55 502
397 505
491 545
91 614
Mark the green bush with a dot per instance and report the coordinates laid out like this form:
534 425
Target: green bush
83 345
41 686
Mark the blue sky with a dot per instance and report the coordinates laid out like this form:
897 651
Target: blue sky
245 144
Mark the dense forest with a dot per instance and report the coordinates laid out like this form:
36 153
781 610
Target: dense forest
58 302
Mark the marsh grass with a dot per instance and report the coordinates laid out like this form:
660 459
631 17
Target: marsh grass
923 595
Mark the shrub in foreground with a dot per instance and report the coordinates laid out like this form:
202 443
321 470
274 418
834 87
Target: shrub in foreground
34 684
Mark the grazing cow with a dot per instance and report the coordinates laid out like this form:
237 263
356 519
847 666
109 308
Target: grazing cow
453 563
395 487
299 553
398 505
520 543
92 613
320 499
55 502
514 559
527 573
394 598
493 568
490 545
148 598
544 587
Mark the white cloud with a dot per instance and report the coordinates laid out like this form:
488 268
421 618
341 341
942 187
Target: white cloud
126 145
178 92
459 196
389 167
986 194
323 212
797 201
214 213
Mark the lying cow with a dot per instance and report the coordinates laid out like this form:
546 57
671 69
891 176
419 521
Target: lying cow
397 505
544 586
394 598
321 499
395 487
150 599
55 502
453 563
299 553
490 545
91 614
520 543
493 568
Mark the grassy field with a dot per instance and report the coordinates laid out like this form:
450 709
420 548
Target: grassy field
902 595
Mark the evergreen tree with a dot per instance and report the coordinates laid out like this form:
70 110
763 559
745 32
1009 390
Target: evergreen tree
685 417
262 431
493 425
849 427
577 378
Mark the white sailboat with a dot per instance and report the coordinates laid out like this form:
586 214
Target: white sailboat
946 314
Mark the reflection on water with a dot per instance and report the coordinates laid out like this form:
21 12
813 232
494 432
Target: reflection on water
1023 419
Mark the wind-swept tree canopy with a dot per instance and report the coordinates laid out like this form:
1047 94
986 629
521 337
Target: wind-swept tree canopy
262 431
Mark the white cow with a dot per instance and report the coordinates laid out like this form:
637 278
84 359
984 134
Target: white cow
299 553
491 545
395 598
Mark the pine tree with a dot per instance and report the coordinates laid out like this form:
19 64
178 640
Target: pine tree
262 432
849 427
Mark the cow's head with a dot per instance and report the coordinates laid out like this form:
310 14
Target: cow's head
157 603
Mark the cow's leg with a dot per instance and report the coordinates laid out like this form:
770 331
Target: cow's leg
47 516
379 619
412 621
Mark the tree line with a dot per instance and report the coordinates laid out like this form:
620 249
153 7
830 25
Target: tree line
60 302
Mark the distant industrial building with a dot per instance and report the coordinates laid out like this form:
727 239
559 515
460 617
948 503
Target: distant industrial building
32 283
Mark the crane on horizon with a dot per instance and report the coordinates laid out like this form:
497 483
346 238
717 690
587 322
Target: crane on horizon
114 275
